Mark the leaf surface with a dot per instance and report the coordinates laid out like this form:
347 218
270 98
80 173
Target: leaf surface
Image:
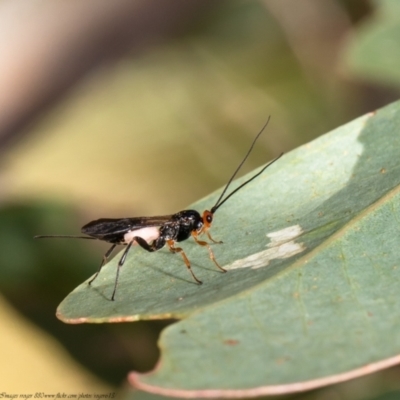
311 296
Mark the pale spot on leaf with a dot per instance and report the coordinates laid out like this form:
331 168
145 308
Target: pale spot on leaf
282 245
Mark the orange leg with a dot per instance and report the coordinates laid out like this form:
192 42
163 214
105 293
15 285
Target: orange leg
202 243
214 241
185 259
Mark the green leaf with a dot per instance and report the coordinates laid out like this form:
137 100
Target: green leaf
330 313
312 292
373 52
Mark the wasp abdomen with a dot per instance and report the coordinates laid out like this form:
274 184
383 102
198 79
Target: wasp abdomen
149 234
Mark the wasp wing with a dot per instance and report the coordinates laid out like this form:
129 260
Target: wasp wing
113 229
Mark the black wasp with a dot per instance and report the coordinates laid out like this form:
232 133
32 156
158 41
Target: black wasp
153 233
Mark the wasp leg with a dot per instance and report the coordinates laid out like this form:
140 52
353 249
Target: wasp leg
120 264
185 259
214 241
156 245
210 252
105 258
140 241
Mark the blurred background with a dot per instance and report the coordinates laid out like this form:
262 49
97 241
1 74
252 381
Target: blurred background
133 107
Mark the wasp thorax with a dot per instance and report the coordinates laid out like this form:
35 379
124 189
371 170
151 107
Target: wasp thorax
186 222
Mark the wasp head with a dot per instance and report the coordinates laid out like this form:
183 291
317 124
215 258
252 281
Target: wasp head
207 219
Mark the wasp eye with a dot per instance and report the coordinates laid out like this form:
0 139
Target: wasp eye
209 218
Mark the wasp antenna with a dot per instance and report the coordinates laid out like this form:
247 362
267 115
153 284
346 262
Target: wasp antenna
240 166
220 201
63 237
244 184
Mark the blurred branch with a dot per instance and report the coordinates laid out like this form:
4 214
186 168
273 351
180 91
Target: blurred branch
47 47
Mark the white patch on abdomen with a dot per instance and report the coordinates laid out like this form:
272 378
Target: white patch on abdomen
148 234
282 245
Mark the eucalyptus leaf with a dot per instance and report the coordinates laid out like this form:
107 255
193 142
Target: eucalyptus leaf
311 296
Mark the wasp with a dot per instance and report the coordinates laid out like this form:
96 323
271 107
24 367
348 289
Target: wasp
153 233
